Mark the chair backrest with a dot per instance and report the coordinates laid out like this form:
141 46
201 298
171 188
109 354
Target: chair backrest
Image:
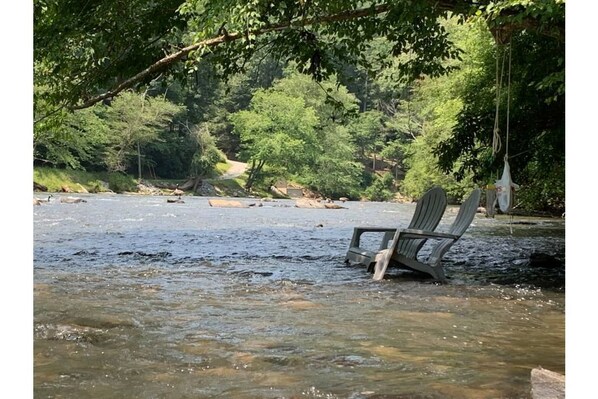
467 212
428 212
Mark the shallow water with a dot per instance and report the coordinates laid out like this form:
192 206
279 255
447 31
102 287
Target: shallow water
138 298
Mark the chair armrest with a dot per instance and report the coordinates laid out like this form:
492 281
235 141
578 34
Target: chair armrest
358 231
414 233
374 229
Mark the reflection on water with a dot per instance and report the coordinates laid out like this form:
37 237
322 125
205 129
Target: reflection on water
138 298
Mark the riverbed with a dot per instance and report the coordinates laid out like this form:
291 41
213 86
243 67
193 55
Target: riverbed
135 297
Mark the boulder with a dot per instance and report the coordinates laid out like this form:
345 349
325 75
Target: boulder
315 204
206 189
277 193
309 203
220 203
190 184
547 384
65 189
39 187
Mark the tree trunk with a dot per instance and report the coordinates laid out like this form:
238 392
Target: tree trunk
196 184
253 173
139 160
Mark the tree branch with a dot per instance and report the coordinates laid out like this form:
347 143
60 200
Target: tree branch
171 59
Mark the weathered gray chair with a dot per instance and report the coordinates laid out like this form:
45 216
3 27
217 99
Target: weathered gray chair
432 265
428 212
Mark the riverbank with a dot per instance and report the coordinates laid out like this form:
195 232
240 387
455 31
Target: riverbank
228 180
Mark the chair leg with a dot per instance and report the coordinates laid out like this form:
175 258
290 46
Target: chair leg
382 261
383 257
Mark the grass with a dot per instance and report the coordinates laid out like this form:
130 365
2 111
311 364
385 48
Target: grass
94 182
222 168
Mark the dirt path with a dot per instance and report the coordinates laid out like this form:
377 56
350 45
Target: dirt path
236 169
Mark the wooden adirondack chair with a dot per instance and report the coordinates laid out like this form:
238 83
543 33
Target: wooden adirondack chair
428 212
432 266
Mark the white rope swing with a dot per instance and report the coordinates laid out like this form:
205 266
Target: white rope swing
505 185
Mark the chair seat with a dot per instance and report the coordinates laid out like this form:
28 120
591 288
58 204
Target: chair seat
361 256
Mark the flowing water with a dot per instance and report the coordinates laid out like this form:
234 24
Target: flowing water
135 297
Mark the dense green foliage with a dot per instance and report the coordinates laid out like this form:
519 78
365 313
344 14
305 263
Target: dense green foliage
81 46
403 87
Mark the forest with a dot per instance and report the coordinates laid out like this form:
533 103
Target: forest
358 99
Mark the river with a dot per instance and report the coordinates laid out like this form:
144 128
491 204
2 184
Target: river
135 297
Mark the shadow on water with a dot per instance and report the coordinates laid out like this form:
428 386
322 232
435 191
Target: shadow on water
138 298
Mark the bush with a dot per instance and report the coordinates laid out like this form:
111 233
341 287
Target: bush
119 182
381 188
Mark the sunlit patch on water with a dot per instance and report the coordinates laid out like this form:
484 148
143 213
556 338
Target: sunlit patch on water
258 303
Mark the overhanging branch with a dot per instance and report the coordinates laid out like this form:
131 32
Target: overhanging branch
171 59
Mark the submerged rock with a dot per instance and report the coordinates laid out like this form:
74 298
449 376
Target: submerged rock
71 200
64 332
538 259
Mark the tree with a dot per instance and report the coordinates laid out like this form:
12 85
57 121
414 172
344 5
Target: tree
435 105
207 154
332 172
381 188
367 133
134 120
279 131
71 140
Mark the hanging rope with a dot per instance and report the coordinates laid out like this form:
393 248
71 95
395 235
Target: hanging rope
507 144
508 102
496 142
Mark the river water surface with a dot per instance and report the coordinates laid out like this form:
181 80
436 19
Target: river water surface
135 297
